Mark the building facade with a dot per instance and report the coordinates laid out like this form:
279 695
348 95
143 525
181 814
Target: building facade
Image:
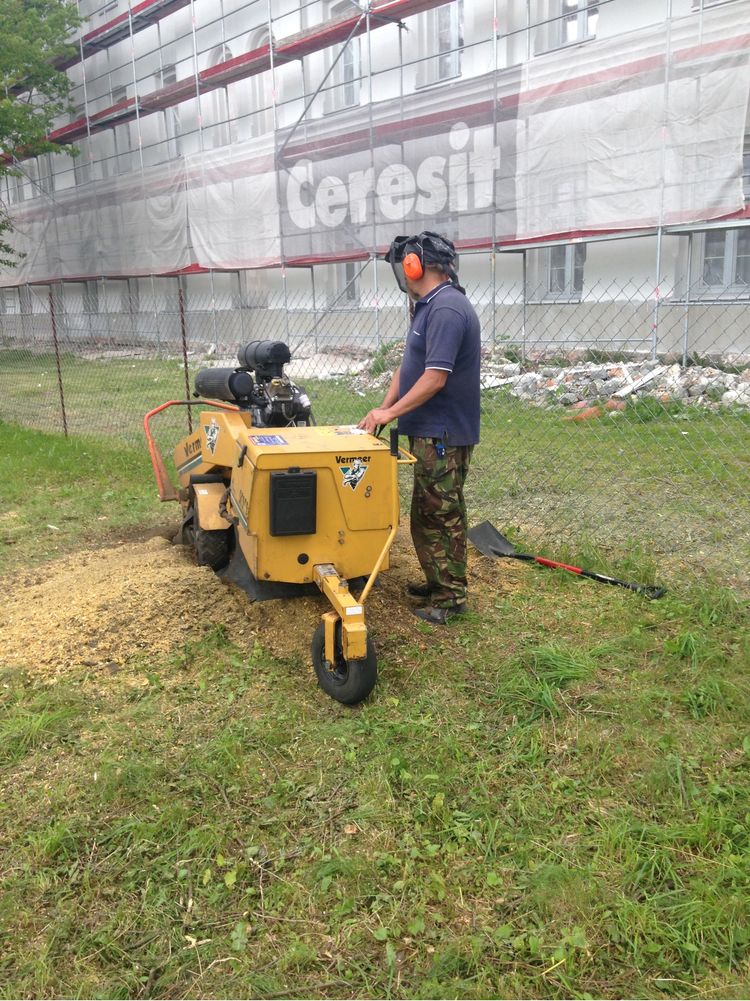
259 154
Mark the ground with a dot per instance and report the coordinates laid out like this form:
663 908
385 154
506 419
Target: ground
547 798
145 597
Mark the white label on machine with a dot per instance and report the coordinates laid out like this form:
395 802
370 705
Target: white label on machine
354 610
268 439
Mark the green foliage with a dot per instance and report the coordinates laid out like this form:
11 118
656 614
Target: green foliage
33 93
99 487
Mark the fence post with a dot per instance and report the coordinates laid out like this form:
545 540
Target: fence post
524 281
377 298
686 321
657 294
493 271
53 318
183 334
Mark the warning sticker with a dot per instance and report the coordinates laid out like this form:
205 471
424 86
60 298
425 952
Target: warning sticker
268 439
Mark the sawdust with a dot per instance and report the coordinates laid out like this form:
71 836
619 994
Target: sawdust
143 600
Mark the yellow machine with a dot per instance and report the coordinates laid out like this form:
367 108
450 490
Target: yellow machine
281 507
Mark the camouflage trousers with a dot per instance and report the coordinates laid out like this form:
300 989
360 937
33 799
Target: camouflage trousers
438 517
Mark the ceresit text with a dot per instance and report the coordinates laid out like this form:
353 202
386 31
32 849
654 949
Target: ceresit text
462 181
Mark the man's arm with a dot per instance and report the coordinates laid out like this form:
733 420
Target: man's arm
430 382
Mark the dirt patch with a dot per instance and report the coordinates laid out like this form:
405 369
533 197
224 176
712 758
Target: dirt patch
142 600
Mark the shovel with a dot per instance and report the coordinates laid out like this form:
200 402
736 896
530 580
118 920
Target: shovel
490 542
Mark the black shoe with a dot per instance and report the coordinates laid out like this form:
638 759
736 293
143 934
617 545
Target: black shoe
419 590
439 616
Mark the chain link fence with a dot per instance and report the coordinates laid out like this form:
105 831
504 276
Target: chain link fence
616 420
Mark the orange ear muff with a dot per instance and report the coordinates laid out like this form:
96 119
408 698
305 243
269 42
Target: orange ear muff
413 267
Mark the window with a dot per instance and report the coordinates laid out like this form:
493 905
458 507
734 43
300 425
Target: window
345 59
123 136
565 22
724 261
15 188
219 133
45 174
82 162
24 299
442 38
565 271
173 145
248 290
90 297
130 301
701 4
58 298
349 282
261 98
343 285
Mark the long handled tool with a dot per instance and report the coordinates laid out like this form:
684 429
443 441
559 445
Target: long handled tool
486 538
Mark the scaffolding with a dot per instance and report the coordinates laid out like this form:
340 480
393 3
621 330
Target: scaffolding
492 135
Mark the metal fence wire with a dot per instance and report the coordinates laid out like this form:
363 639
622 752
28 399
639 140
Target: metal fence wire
614 423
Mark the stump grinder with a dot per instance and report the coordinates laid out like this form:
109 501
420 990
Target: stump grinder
282 507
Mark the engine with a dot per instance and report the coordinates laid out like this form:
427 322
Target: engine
271 396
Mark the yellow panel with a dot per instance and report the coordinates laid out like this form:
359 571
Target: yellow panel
207 499
354 500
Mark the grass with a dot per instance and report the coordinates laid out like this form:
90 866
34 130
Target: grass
549 799
56 491
661 479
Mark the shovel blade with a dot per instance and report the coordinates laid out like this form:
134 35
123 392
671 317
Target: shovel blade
486 538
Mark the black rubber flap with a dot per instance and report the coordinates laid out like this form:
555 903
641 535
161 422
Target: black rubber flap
238 572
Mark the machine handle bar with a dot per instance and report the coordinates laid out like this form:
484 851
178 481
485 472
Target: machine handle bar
164 485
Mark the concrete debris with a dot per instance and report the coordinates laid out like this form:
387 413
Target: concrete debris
592 385
589 384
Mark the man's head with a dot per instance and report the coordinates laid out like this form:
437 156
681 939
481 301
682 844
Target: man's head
421 262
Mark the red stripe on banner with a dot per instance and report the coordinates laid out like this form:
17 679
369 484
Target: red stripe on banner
735 44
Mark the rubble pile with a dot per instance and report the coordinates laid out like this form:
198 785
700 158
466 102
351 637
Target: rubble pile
593 383
378 369
586 383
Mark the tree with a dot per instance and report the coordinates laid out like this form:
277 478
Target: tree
34 35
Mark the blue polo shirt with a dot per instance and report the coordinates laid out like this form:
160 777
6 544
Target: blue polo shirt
444 334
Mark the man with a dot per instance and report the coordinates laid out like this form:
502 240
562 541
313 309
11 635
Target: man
434 395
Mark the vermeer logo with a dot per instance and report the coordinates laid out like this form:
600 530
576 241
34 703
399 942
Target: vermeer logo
192 447
354 473
212 434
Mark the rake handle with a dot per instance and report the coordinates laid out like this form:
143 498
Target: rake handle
649 590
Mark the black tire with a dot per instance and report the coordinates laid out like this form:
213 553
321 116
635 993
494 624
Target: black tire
212 549
347 681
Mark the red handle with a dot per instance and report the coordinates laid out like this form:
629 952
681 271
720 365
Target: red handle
559 566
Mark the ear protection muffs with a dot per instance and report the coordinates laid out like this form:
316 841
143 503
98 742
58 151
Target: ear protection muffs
413 267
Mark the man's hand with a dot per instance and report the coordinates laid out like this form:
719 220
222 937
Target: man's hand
378 417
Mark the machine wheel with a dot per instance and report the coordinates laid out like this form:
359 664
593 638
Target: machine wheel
212 549
347 681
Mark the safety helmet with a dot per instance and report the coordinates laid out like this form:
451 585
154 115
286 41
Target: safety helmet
410 255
